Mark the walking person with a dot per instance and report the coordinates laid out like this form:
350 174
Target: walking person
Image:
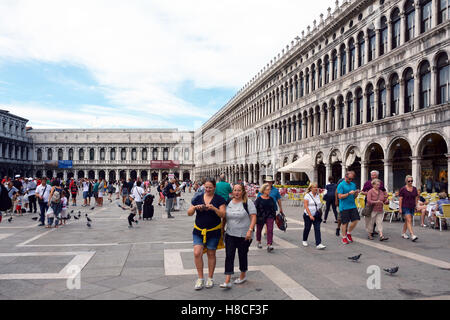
85 185
266 214
138 195
124 191
74 191
240 221
368 186
210 209
55 200
160 190
312 215
223 188
31 189
170 193
43 194
376 198
347 193
330 199
409 196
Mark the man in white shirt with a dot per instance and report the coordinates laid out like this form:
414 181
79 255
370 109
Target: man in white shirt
138 194
31 189
42 194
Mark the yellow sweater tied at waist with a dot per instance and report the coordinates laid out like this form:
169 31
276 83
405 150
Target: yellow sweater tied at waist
205 231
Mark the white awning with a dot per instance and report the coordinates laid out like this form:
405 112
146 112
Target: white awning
304 164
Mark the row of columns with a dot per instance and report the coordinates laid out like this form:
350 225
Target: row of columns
13 151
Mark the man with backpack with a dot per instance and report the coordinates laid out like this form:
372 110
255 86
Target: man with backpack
55 200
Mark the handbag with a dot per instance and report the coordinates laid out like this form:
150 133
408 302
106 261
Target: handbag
319 212
367 211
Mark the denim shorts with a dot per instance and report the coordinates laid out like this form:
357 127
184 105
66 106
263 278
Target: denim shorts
85 194
409 211
211 243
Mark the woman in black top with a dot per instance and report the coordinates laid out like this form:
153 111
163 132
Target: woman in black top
330 199
266 214
210 209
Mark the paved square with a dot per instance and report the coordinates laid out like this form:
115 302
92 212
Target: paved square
155 261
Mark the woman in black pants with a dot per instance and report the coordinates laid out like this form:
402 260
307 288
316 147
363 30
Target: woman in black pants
240 221
330 199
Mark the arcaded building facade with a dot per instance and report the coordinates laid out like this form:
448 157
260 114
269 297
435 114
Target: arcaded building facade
113 154
365 88
15 145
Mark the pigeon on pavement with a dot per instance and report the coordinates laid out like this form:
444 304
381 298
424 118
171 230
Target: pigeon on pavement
76 218
355 258
89 225
34 218
10 219
392 271
88 219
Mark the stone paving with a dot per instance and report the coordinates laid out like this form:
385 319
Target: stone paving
155 261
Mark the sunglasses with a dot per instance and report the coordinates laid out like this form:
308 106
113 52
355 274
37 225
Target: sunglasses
410 181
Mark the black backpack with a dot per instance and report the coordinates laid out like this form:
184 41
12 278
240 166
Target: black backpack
5 201
244 203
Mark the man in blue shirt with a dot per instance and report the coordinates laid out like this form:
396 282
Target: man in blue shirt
347 193
274 193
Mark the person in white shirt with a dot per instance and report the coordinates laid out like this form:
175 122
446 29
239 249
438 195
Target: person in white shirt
64 203
42 194
32 195
312 215
85 192
138 195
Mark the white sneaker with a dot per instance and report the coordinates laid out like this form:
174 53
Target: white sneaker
259 246
209 283
226 285
239 281
405 236
305 244
414 238
199 284
321 247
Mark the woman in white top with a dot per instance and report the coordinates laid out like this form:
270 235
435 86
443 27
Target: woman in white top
240 221
311 215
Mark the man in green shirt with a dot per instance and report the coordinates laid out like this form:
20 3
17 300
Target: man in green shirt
95 190
223 188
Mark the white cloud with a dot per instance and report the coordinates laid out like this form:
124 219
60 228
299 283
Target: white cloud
141 51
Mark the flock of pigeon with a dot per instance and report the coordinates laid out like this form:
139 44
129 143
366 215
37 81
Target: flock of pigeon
390 271
69 216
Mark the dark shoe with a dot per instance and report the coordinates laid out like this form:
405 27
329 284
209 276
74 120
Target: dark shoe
324 221
370 237
384 239
170 217
375 233
338 232
41 225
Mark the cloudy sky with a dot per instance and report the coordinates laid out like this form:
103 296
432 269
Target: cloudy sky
138 63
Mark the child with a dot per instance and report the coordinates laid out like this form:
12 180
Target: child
19 203
133 209
64 203
50 216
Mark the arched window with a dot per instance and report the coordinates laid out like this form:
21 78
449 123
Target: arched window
49 154
70 154
123 154
306 81
60 154
410 20
91 155
372 44
186 154
382 105
311 125
396 22
444 8
133 154
333 116
361 49
81 155
425 85
334 61
443 79
427 14
291 92
144 154
349 110
325 116
302 85
370 103
313 77
113 154
102 154
155 154
383 36
327 69
176 154
395 95
359 107
352 57
166 154
341 112
320 73
39 155
343 60
297 93
409 90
